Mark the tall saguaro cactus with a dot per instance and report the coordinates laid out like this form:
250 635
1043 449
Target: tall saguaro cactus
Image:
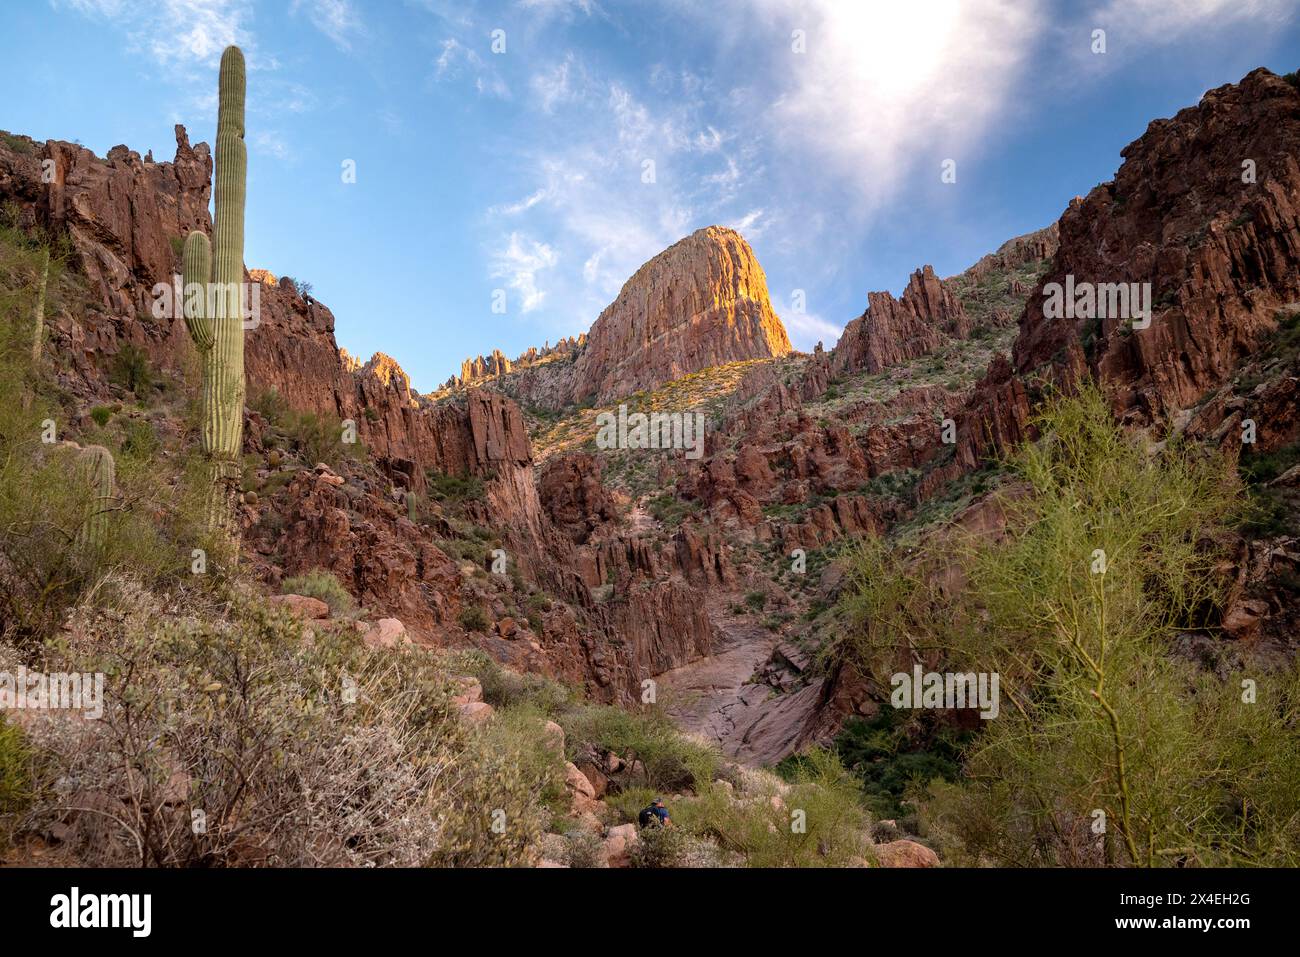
214 298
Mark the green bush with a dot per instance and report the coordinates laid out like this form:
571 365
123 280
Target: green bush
131 370
673 762
324 585
473 618
1109 553
503 688
819 820
272 407
659 847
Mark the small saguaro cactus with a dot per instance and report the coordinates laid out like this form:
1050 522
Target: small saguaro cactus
96 467
38 336
214 298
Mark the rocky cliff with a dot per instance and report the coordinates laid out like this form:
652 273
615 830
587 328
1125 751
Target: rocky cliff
1206 210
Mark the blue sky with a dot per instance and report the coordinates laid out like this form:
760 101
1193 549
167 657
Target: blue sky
524 169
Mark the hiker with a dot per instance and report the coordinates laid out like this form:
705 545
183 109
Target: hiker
656 815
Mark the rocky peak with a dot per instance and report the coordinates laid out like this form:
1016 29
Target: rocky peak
896 330
701 302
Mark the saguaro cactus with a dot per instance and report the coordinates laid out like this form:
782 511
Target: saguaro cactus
95 463
39 335
214 299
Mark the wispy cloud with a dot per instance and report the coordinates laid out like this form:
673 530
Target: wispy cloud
337 19
518 261
179 35
456 60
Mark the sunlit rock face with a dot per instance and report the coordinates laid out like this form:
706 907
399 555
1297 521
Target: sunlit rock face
702 302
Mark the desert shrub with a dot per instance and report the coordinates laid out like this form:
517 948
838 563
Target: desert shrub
673 761
890 761
100 415
131 370
816 821
271 406
140 441
453 488
294 752
583 849
756 600
659 847
503 688
473 618
324 585
319 438
507 788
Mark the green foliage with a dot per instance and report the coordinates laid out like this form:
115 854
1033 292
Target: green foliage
101 414
756 600
583 849
131 370
319 438
271 406
672 761
453 488
324 585
1095 713
16 143
889 761
140 441
503 688
659 847
816 821
473 618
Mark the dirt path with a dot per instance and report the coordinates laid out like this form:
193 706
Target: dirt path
716 698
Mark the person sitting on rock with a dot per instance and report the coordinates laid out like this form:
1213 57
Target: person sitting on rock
656 815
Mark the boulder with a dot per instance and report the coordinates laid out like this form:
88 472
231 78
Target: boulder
906 854
305 607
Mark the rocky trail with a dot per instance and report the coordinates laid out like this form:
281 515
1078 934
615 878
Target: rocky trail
726 699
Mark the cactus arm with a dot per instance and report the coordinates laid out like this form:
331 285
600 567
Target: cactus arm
196 272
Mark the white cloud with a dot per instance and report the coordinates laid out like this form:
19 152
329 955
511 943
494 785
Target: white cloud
565 9
553 87
748 225
806 329
518 261
271 143
179 34
525 204
337 19
1162 22
456 60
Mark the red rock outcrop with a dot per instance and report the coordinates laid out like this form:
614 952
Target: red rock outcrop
896 330
1205 208
702 302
